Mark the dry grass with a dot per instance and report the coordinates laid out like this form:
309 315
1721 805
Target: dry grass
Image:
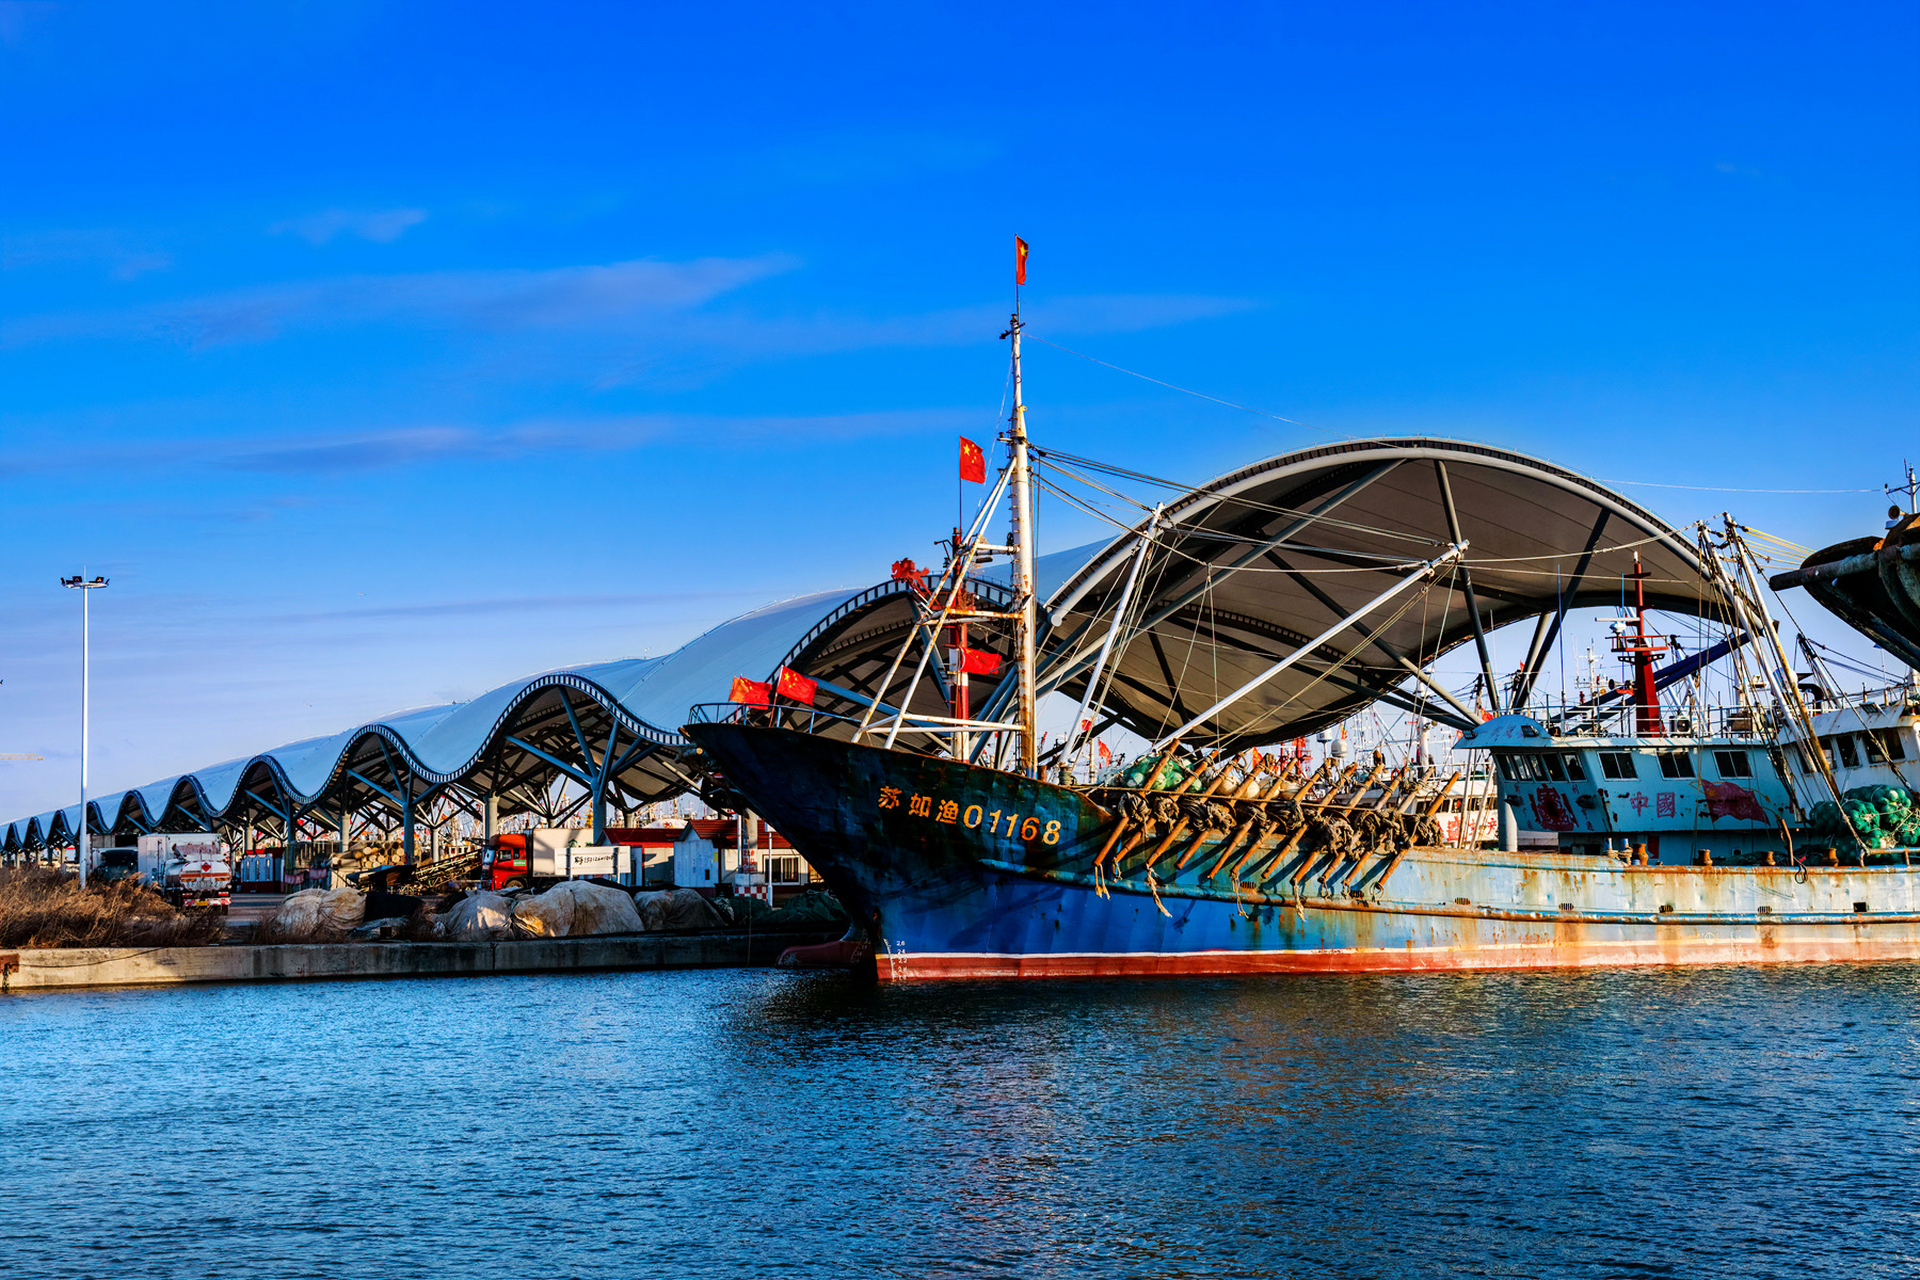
39 907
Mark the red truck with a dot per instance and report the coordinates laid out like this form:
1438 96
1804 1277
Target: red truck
543 857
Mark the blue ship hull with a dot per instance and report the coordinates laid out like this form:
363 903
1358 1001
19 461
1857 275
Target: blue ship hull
963 871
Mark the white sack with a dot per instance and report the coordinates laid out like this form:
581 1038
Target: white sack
599 908
312 910
576 909
481 916
676 909
544 915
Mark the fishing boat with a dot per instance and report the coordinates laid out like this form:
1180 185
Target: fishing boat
1853 757
922 795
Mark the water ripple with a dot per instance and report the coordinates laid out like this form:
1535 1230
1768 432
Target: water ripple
1714 1122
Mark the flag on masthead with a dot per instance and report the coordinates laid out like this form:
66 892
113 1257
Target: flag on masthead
978 662
973 462
1019 260
791 684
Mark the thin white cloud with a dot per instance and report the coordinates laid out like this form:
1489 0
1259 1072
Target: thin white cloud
619 292
337 452
125 256
382 226
1123 313
714 338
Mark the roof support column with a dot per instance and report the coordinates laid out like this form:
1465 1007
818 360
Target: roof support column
1466 589
598 787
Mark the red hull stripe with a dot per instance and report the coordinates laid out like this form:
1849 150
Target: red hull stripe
905 967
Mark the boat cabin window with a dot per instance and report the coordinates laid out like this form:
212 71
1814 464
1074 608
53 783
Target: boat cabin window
1555 769
1883 745
1521 768
1675 764
1574 772
1733 764
1617 764
1849 756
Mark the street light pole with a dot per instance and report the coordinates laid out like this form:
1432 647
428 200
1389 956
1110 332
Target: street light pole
84 587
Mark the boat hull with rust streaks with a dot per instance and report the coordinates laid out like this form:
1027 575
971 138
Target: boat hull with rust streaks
961 871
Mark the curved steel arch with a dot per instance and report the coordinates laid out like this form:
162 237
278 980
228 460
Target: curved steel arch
1299 540
1313 461
851 652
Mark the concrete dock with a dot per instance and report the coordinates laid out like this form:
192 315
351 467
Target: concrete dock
75 967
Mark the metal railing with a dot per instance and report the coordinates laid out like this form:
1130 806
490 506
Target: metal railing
803 719
1620 720
1904 698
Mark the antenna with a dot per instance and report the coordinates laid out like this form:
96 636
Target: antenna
1911 488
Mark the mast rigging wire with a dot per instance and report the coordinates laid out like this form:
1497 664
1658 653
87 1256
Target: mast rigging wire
1199 395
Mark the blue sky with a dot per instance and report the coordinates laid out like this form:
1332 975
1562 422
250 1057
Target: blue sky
381 353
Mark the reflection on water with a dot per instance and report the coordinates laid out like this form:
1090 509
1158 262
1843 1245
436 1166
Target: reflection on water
1709 1122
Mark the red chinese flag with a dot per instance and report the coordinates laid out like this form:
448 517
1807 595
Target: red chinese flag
1105 752
792 685
755 693
1019 260
978 662
973 462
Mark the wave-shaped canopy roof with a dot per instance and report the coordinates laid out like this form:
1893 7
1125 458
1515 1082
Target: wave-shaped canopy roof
610 727
1239 572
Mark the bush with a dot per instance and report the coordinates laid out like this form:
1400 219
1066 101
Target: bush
41 907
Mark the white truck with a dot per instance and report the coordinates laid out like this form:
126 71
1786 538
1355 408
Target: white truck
191 870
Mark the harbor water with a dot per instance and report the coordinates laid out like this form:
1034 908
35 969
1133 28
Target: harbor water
1709 1122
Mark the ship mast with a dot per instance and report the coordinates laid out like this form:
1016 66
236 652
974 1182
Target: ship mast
1027 616
1640 649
